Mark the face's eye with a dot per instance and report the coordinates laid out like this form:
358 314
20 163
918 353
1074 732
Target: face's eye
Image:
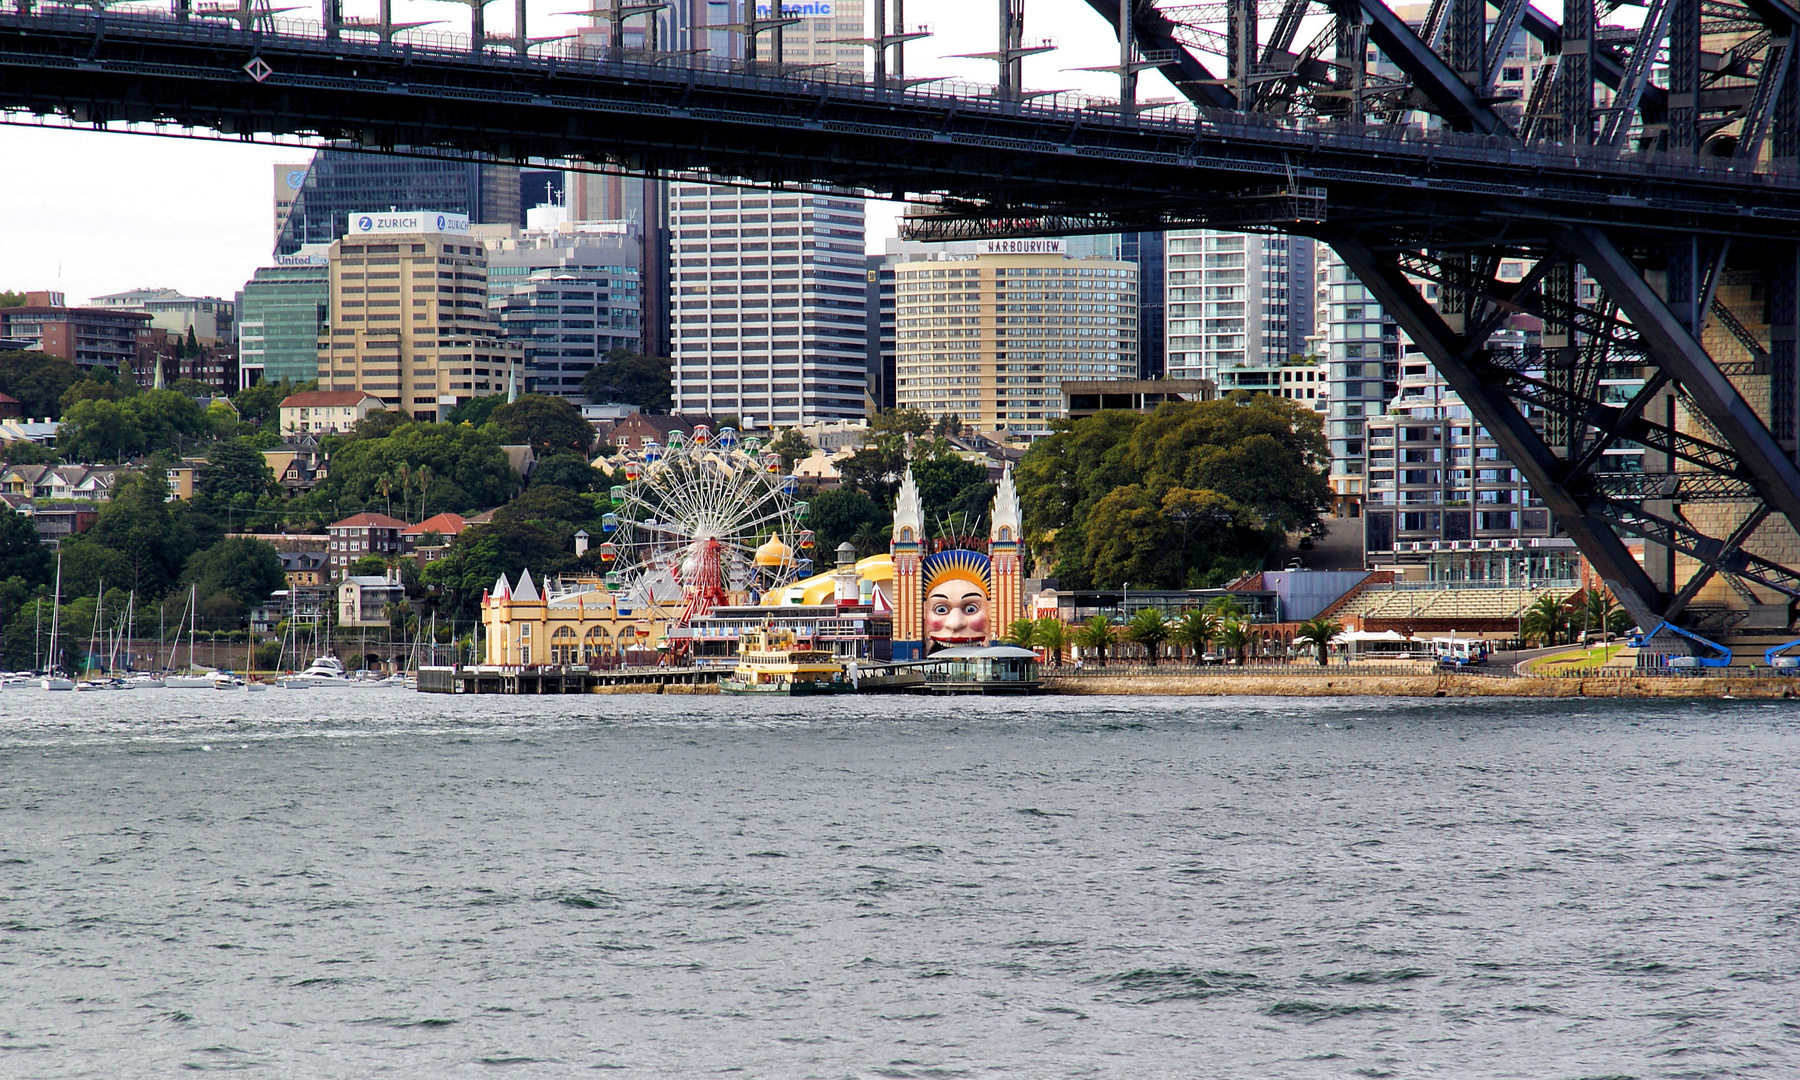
971 608
941 609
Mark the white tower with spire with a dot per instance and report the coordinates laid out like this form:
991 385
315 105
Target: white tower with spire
908 548
1006 554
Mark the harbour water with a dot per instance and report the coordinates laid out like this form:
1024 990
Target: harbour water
362 883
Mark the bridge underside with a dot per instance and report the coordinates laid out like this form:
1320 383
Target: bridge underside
1682 205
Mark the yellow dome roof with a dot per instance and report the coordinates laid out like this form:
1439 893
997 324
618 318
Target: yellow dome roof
774 553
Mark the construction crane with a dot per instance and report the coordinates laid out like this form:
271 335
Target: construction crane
1723 659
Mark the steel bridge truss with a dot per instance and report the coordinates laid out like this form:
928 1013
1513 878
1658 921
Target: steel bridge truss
1680 200
1719 476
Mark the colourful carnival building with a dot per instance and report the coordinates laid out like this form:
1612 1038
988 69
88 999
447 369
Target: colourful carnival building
955 597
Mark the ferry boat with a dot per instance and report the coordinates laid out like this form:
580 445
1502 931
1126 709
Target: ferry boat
771 661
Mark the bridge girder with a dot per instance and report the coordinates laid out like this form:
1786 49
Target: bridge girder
1658 230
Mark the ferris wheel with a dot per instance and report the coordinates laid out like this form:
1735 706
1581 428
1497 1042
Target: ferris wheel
701 518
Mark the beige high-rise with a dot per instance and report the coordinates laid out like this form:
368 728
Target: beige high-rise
409 318
991 339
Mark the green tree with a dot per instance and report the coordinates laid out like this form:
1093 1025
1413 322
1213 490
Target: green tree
905 421
468 468
557 510
632 378
1097 635
26 452
233 467
475 411
1236 636
792 448
38 380
153 535
478 556
566 469
1196 630
1051 636
1318 633
21 554
544 423
1023 633
1233 479
949 485
845 514
96 429
368 566
1546 619
90 389
379 424
246 570
1149 628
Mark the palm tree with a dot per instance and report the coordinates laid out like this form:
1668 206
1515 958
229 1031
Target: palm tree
1051 636
1236 636
1023 633
1096 634
1196 630
1318 633
424 478
1149 628
1225 607
385 485
870 538
1545 618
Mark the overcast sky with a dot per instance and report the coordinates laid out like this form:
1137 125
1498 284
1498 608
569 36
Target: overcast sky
94 212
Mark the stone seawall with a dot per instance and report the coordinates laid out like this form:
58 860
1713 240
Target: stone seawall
658 688
1326 684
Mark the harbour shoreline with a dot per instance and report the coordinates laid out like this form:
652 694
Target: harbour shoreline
1424 684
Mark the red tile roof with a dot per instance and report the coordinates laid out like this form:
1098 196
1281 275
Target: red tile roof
368 521
442 524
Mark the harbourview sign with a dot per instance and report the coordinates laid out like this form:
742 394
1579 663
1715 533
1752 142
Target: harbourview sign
1024 247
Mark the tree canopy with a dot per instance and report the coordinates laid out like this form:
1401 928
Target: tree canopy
38 380
544 423
99 429
632 378
1189 495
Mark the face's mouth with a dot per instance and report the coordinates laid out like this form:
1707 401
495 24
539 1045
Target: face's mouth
957 637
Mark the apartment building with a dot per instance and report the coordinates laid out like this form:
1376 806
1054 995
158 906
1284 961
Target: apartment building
992 338
1235 300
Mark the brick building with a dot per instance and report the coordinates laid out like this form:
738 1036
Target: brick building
87 337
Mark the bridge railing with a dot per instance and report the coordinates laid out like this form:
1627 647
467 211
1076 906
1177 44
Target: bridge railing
1193 125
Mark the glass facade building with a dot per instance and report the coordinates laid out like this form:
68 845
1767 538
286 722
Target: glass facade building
569 296
339 183
282 311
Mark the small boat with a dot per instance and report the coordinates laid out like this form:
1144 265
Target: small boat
56 682
89 686
772 661
191 682
145 681
324 671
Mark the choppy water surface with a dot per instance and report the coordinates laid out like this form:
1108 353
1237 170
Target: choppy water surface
354 883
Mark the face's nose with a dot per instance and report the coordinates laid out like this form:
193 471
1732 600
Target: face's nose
956 620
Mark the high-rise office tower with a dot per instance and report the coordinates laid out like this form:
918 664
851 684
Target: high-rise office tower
878 325
340 183
1235 299
644 203
991 337
568 293
1150 252
769 305
282 312
409 315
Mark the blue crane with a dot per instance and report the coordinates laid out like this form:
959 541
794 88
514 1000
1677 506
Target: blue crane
1787 665
1723 659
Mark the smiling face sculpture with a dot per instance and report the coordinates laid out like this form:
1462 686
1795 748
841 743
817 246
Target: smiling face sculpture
958 605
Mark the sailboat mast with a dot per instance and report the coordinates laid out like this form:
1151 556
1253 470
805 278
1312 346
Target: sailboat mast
55 608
